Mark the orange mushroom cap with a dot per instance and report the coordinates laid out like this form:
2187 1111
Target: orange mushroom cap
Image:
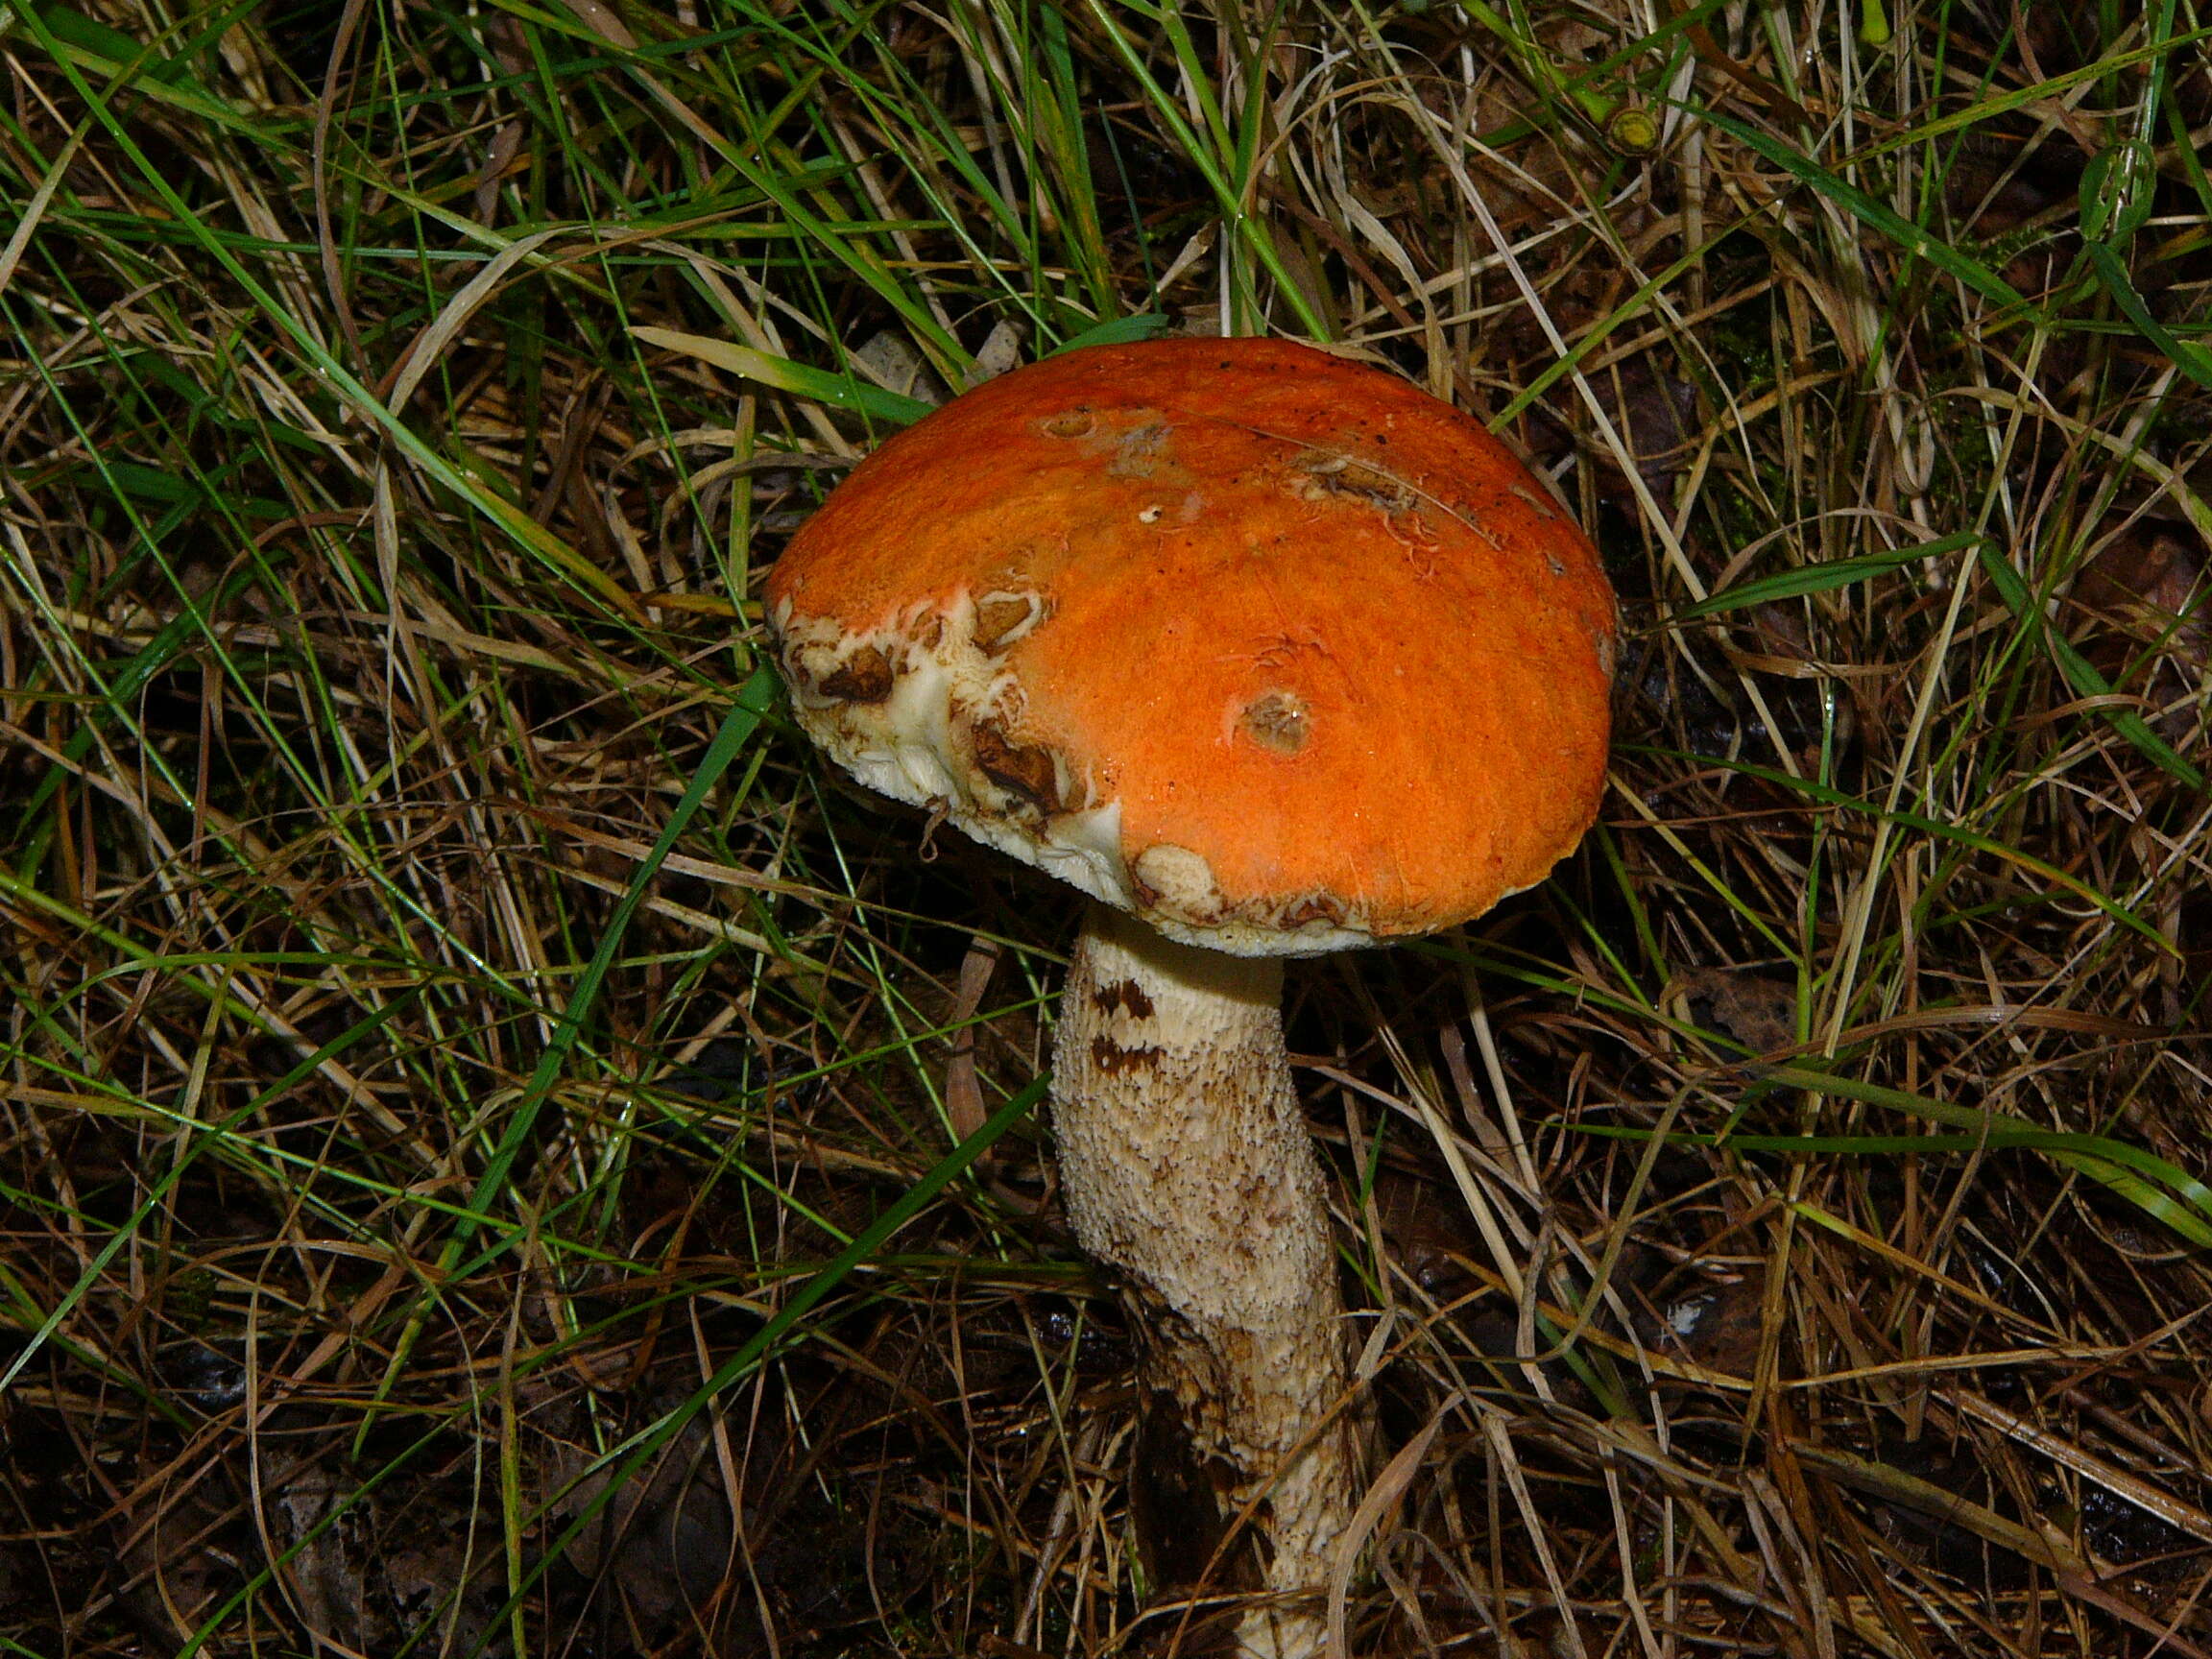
1275 651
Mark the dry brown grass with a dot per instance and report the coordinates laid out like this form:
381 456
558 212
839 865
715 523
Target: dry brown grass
439 1216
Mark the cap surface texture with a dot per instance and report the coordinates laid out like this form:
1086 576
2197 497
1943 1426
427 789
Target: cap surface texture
1268 648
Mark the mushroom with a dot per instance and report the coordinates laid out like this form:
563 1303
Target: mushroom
1271 654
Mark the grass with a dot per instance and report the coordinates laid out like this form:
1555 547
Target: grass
499 1152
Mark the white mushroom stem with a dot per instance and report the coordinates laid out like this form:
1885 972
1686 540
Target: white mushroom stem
1187 1166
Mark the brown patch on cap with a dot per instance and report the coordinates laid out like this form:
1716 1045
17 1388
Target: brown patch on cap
1074 423
1138 452
1275 721
867 676
1021 769
1001 616
1323 908
1322 476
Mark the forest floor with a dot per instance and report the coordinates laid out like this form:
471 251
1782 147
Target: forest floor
478 1097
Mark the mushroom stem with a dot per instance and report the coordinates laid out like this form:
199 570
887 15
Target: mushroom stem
1187 1166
